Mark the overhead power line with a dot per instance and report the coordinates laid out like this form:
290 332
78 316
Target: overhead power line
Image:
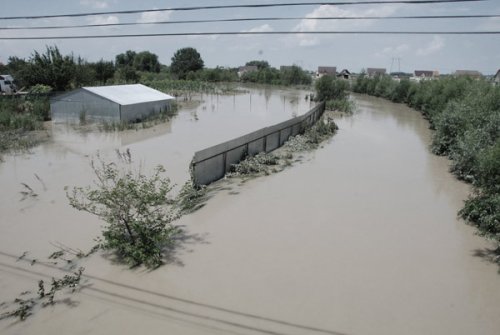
342 3
222 33
256 19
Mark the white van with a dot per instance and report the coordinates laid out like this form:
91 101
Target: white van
7 85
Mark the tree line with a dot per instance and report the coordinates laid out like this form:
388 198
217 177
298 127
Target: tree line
465 116
63 72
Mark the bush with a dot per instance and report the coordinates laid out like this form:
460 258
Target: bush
330 88
488 170
136 211
483 211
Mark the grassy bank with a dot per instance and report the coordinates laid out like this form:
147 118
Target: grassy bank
465 116
20 118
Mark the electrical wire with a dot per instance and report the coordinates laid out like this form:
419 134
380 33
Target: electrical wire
256 19
222 33
343 3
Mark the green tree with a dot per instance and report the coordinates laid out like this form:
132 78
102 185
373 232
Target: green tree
186 60
18 68
128 74
125 59
104 71
294 75
136 210
147 62
51 68
330 88
84 73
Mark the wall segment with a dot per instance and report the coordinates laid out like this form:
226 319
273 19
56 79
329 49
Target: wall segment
213 163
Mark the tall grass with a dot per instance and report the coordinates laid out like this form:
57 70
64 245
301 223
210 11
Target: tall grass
18 117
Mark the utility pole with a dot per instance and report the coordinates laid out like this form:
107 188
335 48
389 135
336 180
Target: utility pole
393 63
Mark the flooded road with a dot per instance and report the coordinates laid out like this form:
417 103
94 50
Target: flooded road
360 237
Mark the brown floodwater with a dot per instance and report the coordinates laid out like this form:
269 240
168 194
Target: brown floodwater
358 237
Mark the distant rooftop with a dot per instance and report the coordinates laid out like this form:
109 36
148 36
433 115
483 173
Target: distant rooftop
128 94
471 73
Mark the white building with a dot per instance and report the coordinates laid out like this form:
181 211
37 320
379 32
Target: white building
110 103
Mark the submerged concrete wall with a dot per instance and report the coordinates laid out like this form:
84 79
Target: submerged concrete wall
213 163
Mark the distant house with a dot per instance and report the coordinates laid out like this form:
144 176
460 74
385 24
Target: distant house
326 71
372 72
424 75
496 79
110 103
344 74
468 73
246 69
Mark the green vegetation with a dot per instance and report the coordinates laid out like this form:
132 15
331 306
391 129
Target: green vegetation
19 116
335 93
136 208
191 197
465 116
287 76
267 163
255 165
24 307
185 61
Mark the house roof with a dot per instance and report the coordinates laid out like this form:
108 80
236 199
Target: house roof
128 94
471 73
372 70
327 69
424 73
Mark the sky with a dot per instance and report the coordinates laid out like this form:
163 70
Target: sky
444 53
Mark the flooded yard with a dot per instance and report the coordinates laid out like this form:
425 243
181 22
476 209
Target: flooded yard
358 237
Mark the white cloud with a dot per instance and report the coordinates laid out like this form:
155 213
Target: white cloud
392 51
338 25
432 47
492 23
155 16
261 29
98 4
103 19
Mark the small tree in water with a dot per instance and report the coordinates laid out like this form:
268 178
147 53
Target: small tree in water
136 209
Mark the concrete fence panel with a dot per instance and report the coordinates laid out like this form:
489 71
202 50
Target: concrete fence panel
213 163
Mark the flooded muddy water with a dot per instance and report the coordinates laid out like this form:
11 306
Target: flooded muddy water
359 237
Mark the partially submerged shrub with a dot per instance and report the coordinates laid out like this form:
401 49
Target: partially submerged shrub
322 130
266 163
341 105
191 197
26 306
137 211
258 164
483 211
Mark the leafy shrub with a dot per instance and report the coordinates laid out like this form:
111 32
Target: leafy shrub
321 130
483 211
254 165
343 105
191 197
488 170
330 88
136 211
